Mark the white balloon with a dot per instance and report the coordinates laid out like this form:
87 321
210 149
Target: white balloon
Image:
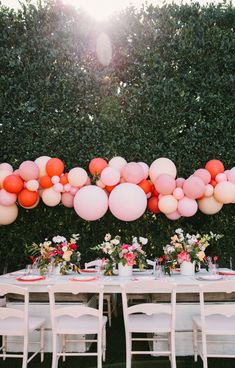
162 166
77 177
117 163
91 203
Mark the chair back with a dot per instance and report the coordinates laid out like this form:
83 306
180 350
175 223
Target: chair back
151 263
93 264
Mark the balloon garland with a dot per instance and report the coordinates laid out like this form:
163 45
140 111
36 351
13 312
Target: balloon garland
126 189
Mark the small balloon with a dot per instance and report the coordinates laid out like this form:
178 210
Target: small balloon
32 185
6 198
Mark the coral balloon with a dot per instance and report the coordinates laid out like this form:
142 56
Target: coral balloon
41 163
13 184
127 202
67 200
109 188
187 207
153 205
174 215
194 187
91 203
64 179
32 185
224 192
26 198
110 176
8 214
97 165
145 167
6 166
54 166
77 177
45 181
167 204
209 205
133 173
203 174
165 184
209 190
31 207
117 163
6 198
146 185
214 167
50 197
162 166
231 175
28 170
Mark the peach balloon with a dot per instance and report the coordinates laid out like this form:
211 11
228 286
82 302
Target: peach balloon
77 177
6 198
145 167
32 185
50 197
180 182
174 215
194 187
91 203
100 184
110 176
67 200
221 177
127 202
167 204
41 163
224 192
6 166
204 175
178 193
55 179
209 190
209 205
133 173
117 163
162 166
187 207
3 175
231 175
165 184
29 170
8 214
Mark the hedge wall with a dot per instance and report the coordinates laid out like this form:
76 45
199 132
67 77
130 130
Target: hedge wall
167 92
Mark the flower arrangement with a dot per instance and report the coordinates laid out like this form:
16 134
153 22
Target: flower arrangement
187 247
114 251
56 252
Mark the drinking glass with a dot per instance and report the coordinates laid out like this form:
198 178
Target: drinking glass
28 269
158 272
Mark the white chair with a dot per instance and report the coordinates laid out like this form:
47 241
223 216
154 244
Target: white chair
109 299
77 319
16 322
214 320
149 318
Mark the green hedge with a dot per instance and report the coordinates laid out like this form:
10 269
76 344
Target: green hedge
168 92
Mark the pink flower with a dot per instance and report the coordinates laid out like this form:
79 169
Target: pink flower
125 246
130 257
183 256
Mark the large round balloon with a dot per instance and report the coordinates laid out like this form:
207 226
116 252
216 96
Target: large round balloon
133 172
54 166
96 165
214 167
50 197
162 166
110 176
13 184
117 163
41 162
167 204
27 198
203 174
127 202
231 175
6 166
77 177
91 203
165 184
187 207
67 200
6 198
209 205
224 192
8 214
194 187
29 170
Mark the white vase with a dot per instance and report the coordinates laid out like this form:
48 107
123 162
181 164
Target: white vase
187 268
56 270
124 270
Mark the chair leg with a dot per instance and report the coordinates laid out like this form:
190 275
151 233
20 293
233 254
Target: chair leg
4 346
54 352
195 337
25 353
104 344
63 346
99 351
173 359
42 343
109 312
204 351
128 350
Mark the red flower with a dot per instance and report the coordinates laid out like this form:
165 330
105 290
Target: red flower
73 246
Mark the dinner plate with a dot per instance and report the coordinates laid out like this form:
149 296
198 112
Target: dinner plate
87 270
30 278
142 272
210 277
227 273
84 279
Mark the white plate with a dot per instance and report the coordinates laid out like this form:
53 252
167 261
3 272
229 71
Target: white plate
30 278
210 277
144 272
84 278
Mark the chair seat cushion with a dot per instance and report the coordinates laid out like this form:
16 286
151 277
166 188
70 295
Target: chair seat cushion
216 324
15 326
150 323
81 325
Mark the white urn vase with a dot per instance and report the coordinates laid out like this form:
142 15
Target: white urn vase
187 268
124 270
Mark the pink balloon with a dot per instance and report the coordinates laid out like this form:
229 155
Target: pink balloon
58 187
67 200
67 187
165 184
88 182
204 175
6 166
55 179
16 172
91 203
133 173
209 190
6 198
145 167
180 182
178 193
110 176
221 177
118 163
29 170
194 187
231 175
187 207
127 202
74 190
173 215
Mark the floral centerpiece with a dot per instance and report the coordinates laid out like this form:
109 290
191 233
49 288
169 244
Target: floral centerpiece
114 251
58 252
187 248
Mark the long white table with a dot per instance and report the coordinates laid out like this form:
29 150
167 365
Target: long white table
187 301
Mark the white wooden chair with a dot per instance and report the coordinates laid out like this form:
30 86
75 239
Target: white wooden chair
77 319
16 322
149 318
214 320
110 302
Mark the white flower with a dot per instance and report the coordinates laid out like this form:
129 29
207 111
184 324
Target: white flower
64 248
115 241
76 236
134 239
107 237
58 239
179 231
142 240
